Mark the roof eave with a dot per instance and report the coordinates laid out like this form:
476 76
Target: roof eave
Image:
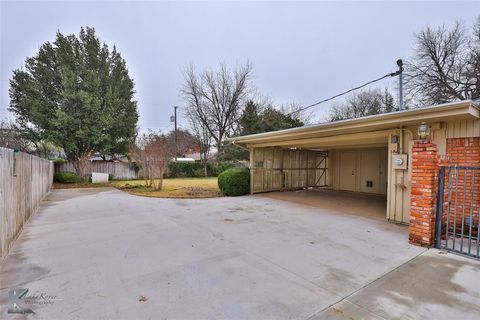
462 107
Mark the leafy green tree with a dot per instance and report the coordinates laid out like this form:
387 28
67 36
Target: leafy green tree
273 120
250 120
388 102
77 94
258 118
231 152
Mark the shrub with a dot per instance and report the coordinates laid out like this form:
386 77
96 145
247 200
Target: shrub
66 177
199 172
183 169
59 160
218 167
234 182
110 176
195 169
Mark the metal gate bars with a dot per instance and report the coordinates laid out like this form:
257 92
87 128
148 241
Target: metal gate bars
457 223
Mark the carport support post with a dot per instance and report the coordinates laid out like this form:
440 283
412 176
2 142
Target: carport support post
423 193
252 166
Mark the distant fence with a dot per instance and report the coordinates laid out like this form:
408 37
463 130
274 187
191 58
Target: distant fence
119 170
24 181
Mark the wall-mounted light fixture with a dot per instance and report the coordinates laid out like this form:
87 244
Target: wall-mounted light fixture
423 131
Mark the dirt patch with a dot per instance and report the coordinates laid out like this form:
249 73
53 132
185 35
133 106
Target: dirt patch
79 185
177 193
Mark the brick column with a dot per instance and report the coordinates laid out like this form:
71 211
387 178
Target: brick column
423 193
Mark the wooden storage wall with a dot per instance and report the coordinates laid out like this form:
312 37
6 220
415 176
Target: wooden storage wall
275 169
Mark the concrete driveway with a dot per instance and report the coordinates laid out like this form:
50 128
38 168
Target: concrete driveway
104 254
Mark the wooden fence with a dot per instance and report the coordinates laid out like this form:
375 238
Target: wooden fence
24 181
119 170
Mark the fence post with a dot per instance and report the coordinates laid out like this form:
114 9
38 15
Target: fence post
439 211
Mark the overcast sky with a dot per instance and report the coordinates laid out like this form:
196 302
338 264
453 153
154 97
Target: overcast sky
301 52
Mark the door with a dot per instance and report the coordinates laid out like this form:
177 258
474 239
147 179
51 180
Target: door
347 170
370 171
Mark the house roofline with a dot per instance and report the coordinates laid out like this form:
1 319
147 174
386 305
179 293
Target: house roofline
466 108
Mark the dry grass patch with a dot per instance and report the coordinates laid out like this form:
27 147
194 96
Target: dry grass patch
186 188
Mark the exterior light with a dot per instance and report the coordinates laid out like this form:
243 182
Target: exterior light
423 131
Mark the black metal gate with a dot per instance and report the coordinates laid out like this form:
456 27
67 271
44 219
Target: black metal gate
457 222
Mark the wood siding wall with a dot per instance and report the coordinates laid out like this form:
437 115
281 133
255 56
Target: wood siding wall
119 170
463 128
274 169
24 181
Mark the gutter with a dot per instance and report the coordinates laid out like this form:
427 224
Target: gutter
237 145
358 121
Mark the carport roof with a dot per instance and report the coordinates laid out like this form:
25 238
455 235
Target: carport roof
449 111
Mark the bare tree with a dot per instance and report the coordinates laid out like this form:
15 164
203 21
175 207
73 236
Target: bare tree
296 111
10 136
445 66
215 98
153 151
184 141
474 59
363 104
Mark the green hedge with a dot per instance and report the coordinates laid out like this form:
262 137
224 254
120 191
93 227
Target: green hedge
195 169
234 182
66 177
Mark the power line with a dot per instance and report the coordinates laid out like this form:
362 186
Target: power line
392 74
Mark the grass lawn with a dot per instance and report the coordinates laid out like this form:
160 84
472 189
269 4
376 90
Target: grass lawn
172 188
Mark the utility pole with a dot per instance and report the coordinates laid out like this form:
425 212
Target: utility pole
175 134
400 84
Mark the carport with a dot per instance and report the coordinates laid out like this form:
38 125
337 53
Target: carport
368 155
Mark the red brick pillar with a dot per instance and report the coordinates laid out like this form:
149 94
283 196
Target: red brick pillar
423 193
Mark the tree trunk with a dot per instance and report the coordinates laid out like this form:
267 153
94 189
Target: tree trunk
219 147
81 166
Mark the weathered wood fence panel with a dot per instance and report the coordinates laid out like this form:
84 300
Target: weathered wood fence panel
24 181
119 170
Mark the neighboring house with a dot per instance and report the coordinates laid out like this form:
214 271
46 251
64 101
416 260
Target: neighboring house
183 159
381 154
195 156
